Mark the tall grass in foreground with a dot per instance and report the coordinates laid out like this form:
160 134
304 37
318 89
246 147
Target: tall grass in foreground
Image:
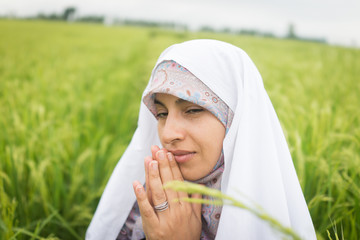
223 199
69 99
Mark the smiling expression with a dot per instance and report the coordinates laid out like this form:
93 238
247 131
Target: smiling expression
193 134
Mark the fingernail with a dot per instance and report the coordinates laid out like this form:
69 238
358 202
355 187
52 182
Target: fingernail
161 155
154 165
139 189
170 157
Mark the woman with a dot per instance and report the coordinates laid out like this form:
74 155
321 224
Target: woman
217 127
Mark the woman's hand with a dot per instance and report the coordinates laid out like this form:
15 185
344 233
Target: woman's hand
181 220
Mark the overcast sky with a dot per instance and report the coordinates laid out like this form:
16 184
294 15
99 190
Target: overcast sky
338 21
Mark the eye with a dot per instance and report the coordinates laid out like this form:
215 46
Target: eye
194 110
160 115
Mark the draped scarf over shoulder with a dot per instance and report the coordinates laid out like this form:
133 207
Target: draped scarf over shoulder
257 162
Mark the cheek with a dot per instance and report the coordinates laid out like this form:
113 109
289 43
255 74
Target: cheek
212 140
161 131
213 146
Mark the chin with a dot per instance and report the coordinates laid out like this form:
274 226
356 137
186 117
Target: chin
191 175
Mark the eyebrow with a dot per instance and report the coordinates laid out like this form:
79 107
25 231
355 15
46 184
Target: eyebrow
179 101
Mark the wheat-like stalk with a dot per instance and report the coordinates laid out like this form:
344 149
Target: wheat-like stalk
223 199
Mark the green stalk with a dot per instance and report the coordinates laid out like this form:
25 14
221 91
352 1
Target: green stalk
228 200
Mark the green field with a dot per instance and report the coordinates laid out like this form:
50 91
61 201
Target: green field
69 99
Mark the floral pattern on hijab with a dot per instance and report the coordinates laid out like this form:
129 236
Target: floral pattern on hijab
172 78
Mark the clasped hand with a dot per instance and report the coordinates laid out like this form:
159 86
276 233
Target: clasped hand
181 220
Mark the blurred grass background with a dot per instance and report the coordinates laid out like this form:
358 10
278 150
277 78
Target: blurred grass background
69 99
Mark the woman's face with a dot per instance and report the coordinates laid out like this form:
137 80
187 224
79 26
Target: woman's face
193 134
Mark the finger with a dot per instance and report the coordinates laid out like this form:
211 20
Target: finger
177 175
157 191
148 191
146 211
196 206
166 174
154 150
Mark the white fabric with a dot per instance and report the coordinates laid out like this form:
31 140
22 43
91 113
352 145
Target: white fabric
258 164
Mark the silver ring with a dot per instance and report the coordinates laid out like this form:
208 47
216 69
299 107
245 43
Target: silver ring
162 206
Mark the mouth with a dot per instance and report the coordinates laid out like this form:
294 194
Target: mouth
182 156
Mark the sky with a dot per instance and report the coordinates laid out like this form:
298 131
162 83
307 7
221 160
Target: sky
336 21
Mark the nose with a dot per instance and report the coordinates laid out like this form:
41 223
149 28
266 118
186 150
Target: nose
172 129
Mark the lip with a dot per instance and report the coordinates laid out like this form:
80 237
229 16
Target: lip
182 156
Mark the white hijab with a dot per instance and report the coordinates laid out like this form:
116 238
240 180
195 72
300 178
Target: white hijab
258 164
